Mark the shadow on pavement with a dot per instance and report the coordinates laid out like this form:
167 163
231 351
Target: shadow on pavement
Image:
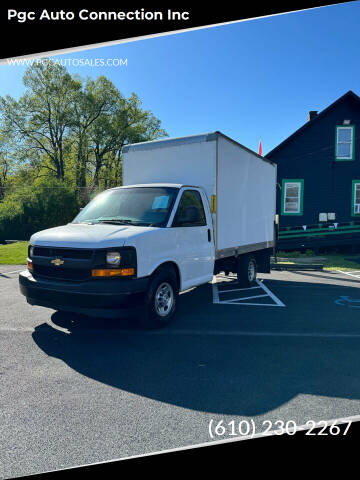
330 276
224 374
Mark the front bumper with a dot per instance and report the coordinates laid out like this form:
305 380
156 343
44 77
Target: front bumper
96 297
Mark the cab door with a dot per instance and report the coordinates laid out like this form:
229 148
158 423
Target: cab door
193 232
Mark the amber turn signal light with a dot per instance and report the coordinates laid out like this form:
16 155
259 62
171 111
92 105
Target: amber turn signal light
113 272
29 265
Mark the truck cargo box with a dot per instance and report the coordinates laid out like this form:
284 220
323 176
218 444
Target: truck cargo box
240 185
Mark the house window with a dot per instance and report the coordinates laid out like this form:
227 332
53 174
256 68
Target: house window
345 142
292 193
355 202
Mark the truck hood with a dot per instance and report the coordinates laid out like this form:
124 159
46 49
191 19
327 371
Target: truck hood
78 235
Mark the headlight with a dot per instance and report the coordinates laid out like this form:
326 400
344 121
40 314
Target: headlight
113 258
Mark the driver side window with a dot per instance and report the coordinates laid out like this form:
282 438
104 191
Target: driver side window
190 212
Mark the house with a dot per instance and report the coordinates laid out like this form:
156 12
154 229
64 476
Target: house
318 179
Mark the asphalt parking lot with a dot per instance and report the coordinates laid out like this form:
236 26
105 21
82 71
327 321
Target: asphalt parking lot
76 391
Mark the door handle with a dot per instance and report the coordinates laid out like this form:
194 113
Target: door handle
209 235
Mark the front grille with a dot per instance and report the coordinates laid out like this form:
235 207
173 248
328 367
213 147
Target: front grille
77 263
62 253
72 274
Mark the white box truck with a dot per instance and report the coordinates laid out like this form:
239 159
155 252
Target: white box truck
189 208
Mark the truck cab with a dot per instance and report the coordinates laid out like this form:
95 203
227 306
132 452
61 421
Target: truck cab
139 244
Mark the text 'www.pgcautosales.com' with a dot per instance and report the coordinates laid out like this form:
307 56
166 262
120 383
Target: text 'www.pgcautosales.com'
71 62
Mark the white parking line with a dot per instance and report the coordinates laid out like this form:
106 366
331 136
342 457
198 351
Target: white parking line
215 291
348 273
274 297
239 289
243 333
194 332
240 300
8 273
245 298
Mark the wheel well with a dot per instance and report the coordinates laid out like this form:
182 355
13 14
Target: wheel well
173 266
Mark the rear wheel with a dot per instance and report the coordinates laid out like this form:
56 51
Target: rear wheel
246 270
161 299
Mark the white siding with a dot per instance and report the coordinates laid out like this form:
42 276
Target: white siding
188 164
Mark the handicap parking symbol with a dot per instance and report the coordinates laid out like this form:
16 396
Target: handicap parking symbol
344 301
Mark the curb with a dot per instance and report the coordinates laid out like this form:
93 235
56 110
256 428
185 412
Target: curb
296 266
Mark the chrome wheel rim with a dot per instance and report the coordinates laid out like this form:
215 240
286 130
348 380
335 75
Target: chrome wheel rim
164 299
251 271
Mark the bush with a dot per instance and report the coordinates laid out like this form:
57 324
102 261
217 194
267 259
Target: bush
35 208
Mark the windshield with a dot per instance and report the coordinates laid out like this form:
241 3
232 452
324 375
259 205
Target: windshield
146 206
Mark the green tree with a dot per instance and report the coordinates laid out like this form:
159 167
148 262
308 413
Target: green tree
128 123
41 118
6 164
97 99
60 142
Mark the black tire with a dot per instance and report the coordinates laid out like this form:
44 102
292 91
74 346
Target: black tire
161 299
246 271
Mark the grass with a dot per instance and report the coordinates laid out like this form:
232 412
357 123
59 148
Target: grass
297 254
341 262
14 253
332 261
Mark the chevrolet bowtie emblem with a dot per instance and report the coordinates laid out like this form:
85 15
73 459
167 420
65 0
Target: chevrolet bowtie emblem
57 262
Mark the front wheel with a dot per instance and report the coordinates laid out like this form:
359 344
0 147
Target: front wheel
161 299
246 271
